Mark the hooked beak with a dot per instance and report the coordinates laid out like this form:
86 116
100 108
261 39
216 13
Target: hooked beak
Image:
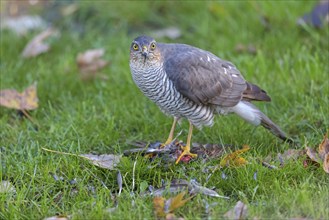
144 52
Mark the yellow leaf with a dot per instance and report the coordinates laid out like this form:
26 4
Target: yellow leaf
178 201
26 100
163 207
158 204
233 159
29 98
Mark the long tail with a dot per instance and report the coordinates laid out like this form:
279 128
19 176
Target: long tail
253 115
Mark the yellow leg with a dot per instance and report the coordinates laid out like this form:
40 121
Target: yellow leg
171 134
186 149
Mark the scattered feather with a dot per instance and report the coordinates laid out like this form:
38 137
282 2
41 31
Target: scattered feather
272 167
318 17
239 212
255 176
7 187
107 161
179 185
196 188
119 181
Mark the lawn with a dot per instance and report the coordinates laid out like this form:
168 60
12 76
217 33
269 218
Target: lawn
103 116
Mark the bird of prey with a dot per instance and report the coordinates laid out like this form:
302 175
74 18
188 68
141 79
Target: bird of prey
188 82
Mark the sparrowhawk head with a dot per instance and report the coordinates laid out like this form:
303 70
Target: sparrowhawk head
144 51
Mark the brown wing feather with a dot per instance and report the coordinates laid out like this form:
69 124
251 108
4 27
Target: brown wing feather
201 76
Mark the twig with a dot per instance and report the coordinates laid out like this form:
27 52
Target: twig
59 152
29 117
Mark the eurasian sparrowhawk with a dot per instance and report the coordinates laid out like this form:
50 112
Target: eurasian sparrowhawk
188 82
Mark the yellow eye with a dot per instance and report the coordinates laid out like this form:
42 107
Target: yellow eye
135 47
153 46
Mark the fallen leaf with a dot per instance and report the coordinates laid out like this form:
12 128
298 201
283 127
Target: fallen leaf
164 206
26 100
233 159
239 212
324 147
313 155
36 46
107 161
158 205
322 156
89 62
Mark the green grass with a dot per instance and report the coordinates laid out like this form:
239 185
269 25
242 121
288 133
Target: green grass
103 116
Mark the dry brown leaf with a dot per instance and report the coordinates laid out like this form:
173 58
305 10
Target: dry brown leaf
163 207
313 155
107 161
36 46
239 212
233 159
26 100
89 62
324 147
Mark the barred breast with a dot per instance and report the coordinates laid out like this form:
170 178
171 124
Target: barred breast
156 85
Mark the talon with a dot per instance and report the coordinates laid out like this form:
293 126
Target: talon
186 152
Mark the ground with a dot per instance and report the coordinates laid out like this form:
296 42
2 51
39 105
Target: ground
103 116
